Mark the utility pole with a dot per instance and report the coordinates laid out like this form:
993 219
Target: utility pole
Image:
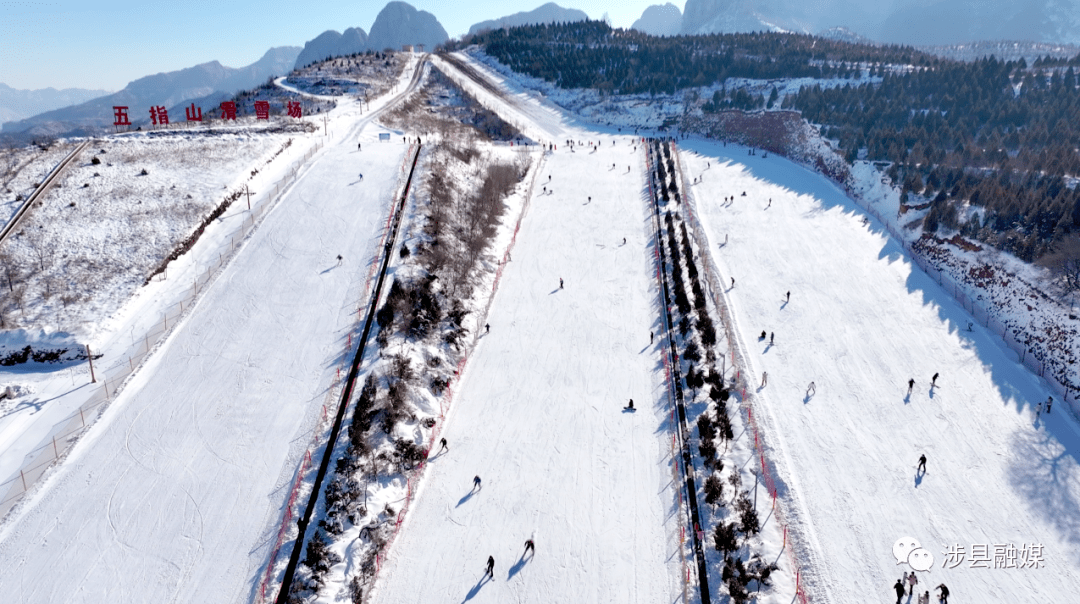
90 357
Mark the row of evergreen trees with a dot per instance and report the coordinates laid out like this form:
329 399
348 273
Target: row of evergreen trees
590 54
696 332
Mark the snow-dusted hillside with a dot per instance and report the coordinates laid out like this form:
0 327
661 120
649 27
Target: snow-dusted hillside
181 491
116 214
264 405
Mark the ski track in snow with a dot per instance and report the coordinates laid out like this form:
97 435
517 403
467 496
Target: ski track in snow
538 416
171 496
863 320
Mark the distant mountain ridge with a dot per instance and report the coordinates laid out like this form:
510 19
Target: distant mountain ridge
660 20
911 22
399 24
332 44
547 13
168 89
21 104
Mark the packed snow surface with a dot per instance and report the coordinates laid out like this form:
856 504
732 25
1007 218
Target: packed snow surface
174 495
539 415
862 321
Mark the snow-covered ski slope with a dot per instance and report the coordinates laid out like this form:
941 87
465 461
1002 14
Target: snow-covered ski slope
539 416
861 322
176 494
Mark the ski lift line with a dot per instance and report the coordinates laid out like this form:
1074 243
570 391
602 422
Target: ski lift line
39 192
287 517
354 369
673 377
710 271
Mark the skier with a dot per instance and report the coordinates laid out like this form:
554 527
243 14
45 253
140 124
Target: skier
771 336
924 598
339 259
770 204
733 282
445 447
624 240
361 178
944 597
910 385
933 381
789 296
630 406
1038 411
922 464
476 482
762 335
359 146
811 389
912 582
899 588
490 567
1049 401
487 327
650 337
764 378
560 282
529 547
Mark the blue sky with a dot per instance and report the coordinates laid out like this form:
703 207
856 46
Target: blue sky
104 44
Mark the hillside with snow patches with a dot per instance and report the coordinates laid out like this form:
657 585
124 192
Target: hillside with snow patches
183 488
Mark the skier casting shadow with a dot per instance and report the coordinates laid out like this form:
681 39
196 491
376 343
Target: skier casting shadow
475 489
629 408
444 448
520 564
920 471
489 574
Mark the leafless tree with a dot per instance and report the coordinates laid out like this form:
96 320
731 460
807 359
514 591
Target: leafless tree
11 269
1070 270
